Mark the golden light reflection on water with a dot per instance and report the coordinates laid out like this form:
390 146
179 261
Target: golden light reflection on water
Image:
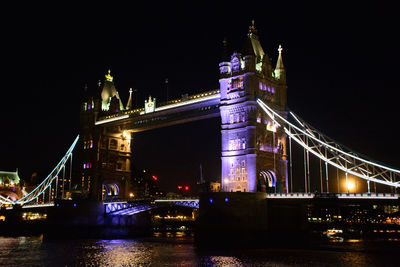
137 253
353 240
225 261
173 251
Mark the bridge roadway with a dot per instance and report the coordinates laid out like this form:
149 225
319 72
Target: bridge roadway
130 207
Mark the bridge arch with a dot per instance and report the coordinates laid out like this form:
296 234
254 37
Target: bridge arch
266 181
110 190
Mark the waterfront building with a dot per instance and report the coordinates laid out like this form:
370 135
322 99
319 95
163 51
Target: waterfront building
10 185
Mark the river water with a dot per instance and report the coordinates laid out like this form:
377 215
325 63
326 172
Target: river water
178 249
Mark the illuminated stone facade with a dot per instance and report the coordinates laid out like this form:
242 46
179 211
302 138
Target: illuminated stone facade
253 148
105 151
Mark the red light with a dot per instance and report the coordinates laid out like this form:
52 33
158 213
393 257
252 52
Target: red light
179 187
155 178
186 188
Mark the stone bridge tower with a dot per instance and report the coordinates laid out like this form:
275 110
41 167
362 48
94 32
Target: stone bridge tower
253 148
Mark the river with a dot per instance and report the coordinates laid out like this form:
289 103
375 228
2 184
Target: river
178 249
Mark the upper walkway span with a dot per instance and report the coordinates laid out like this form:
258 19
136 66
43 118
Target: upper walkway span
186 109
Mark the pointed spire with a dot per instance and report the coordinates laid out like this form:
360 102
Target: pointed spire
280 69
252 44
252 29
279 63
129 104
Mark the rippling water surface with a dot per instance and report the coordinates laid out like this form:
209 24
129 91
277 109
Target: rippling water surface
176 249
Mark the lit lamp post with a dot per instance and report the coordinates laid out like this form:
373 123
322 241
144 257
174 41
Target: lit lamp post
350 186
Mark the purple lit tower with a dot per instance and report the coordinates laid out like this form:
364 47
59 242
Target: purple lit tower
253 148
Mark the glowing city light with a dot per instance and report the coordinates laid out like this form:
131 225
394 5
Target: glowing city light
350 185
126 135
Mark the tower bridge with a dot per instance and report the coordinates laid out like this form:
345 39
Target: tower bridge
258 135
253 149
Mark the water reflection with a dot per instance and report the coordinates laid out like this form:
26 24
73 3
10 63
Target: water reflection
223 261
177 249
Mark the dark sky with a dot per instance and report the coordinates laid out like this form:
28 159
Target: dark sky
341 60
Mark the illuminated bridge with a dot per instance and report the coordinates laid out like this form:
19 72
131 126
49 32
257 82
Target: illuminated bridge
313 143
259 135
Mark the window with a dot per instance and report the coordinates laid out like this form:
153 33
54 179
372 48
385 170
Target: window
231 144
243 163
243 171
237 83
113 144
122 147
231 171
258 119
243 144
231 118
91 144
119 166
235 64
237 118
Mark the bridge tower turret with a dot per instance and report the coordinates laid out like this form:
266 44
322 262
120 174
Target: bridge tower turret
253 151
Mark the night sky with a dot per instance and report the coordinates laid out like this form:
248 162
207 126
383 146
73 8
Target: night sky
341 61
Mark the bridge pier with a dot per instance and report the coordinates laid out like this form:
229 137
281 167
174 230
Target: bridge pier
249 219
